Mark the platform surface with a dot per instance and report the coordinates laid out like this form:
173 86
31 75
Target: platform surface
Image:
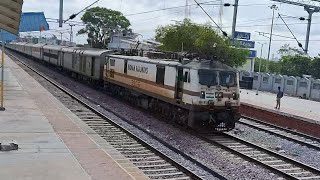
53 143
306 109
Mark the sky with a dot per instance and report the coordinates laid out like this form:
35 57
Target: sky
146 15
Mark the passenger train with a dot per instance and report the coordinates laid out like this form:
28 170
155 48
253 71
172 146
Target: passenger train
193 92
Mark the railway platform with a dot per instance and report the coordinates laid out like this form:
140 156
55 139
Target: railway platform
295 113
53 143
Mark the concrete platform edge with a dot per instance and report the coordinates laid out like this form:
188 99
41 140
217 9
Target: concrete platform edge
282 119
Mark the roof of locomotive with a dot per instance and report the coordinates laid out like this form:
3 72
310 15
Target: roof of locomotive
167 62
194 64
208 64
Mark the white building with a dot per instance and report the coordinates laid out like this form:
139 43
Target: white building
130 41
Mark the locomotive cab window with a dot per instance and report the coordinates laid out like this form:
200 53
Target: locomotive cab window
160 75
227 79
208 77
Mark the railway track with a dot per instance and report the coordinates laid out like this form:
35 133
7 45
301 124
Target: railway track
274 161
155 164
300 138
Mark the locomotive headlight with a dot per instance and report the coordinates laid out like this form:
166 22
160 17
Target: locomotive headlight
219 94
203 95
235 96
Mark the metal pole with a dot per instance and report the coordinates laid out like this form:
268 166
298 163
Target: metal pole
308 30
71 34
273 7
2 74
182 47
236 2
61 13
259 79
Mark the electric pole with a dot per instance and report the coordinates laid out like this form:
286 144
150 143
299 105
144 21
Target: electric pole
61 13
234 23
259 79
310 12
71 33
273 7
186 10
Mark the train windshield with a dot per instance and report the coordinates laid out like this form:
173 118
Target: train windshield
208 77
227 79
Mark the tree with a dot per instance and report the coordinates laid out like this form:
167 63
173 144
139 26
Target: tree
101 23
274 67
263 65
315 67
200 39
295 65
286 50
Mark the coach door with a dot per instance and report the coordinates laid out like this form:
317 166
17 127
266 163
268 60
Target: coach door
179 84
93 64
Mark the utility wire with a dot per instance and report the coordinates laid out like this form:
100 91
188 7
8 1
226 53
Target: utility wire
299 44
223 32
75 15
263 33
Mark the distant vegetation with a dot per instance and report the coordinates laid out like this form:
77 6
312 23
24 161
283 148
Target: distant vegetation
293 62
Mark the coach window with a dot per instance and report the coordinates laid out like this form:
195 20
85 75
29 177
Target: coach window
125 66
160 75
186 77
73 60
92 65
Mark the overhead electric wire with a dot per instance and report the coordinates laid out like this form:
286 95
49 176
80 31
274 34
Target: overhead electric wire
156 17
262 33
299 44
223 32
74 15
262 25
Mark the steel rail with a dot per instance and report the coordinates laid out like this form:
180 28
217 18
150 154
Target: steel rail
261 156
309 141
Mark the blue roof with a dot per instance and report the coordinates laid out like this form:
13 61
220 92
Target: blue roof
29 21
32 21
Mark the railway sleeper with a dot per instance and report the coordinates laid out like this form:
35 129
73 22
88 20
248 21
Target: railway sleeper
166 165
144 159
162 171
310 177
150 163
166 175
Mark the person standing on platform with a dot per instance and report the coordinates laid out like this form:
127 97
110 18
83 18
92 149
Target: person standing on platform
279 96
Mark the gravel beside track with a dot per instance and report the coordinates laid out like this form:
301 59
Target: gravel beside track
284 165
214 157
292 149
